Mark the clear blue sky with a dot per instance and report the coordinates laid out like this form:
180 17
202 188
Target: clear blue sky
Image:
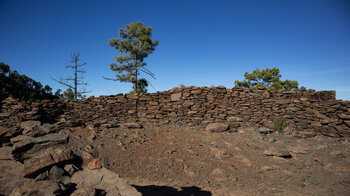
202 43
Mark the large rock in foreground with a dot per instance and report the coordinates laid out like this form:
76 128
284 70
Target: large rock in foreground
101 179
25 149
46 159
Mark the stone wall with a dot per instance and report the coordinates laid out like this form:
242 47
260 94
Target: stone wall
307 112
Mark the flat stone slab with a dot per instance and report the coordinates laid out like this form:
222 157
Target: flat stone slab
26 148
46 159
102 179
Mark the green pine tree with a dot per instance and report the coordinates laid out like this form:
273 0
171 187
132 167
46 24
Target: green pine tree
136 44
269 78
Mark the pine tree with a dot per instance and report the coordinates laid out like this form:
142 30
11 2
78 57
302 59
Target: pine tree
269 78
136 44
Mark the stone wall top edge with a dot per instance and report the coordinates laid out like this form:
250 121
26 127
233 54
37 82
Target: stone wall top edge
300 91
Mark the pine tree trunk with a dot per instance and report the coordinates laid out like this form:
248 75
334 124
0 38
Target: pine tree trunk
135 82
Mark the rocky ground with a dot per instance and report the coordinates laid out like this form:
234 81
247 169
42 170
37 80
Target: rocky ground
195 161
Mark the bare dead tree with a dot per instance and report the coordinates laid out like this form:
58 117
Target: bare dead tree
77 80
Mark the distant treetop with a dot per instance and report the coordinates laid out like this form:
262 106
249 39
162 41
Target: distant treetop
269 78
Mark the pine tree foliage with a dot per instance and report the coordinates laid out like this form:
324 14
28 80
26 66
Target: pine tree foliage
269 78
136 44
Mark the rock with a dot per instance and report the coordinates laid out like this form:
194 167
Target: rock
217 127
277 152
266 168
344 116
20 138
6 134
87 191
347 123
5 153
45 159
56 173
28 126
299 150
131 125
319 115
266 94
41 188
264 130
94 164
25 149
70 169
4 115
234 119
102 179
43 130
175 97
43 176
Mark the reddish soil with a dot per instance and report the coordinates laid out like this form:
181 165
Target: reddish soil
188 161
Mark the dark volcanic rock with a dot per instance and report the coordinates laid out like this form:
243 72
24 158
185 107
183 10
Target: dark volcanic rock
28 126
6 134
43 188
45 159
26 148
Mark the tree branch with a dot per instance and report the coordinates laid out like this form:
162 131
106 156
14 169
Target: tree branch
109 78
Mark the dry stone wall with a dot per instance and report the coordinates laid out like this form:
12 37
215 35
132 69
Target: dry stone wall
307 112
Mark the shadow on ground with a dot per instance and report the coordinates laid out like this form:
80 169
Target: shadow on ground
153 190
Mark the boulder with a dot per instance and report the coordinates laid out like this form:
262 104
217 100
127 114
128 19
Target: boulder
217 127
6 134
56 174
28 126
102 179
25 149
42 188
43 130
46 159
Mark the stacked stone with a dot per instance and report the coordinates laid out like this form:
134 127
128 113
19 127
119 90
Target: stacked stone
306 111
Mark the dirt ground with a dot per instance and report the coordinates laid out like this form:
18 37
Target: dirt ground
189 161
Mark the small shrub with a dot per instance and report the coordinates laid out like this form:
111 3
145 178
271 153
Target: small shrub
279 124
